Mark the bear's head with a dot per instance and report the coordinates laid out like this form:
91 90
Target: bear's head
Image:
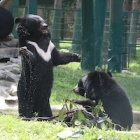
31 27
93 85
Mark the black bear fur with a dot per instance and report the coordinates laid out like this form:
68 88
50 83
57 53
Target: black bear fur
39 56
6 23
99 85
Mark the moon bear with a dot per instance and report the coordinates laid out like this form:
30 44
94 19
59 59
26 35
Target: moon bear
39 56
6 23
99 85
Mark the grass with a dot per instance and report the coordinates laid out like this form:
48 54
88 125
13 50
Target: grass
16 129
134 65
12 128
66 45
65 78
131 86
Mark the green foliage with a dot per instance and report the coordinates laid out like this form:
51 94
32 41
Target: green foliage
68 3
75 115
130 83
62 112
134 65
66 45
67 76
12 128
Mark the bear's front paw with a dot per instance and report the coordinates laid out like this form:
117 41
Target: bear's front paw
76 57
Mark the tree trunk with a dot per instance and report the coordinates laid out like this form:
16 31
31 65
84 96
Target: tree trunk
32 6
56 27
127 4
99 21
77 35
116 36
132 39
93 16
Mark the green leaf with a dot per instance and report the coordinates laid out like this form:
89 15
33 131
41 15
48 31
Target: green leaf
80 115
62 112
71 106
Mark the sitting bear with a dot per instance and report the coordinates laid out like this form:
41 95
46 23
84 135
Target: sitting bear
38 56
99 85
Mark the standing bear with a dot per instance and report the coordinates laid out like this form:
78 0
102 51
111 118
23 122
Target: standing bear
6 23
38 56
99 85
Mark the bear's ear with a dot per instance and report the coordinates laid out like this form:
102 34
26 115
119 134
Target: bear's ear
17 20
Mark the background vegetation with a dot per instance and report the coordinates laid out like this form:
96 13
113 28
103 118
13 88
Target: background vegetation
65 78
12 128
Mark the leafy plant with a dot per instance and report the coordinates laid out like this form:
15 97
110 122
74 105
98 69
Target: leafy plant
75 115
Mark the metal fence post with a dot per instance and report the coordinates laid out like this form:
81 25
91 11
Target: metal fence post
77 31
56 26
93 17
87 62
132 39
32 6
14 8
99 20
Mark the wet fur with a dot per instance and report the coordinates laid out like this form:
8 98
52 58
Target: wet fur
39 56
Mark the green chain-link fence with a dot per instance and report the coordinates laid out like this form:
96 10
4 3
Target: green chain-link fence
131 32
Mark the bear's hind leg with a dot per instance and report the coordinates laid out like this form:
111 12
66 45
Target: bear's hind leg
25 110
44 109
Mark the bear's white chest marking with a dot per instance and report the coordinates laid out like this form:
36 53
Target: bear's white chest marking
45 55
